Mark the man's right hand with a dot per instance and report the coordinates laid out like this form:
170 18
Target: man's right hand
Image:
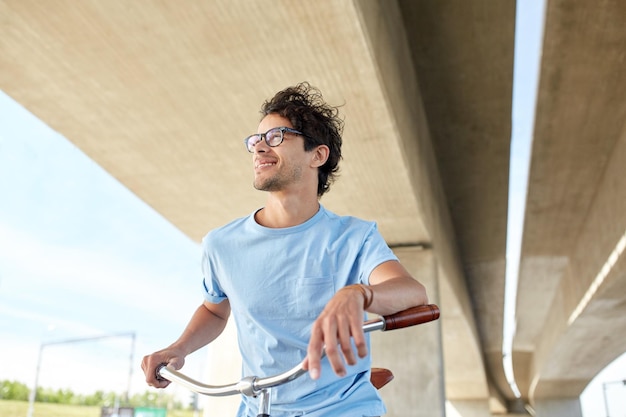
150 363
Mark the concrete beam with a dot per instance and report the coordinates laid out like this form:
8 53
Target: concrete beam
384 25
572 290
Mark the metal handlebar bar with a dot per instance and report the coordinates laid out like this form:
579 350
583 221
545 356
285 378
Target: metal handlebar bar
253 386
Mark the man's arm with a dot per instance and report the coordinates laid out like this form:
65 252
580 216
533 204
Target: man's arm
206 324
392 289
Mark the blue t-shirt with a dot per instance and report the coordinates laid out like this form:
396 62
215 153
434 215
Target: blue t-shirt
278 281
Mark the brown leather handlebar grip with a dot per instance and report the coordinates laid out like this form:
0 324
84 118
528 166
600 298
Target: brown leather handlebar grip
411 317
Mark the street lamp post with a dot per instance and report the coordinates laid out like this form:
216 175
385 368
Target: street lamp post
33 392
606 400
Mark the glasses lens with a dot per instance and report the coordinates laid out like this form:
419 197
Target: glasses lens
274 137
251 141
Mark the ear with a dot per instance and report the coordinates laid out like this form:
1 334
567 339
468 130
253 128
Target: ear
320 156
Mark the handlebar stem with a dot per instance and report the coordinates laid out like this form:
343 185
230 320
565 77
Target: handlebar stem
247 386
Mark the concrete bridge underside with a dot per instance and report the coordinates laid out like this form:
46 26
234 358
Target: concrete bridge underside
160 94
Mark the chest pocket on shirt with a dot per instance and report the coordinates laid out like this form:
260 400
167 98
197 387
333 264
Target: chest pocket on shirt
313 293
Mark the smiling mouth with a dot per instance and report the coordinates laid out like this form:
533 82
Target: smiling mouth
266 164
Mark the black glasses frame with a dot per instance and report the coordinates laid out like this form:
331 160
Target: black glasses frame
251 141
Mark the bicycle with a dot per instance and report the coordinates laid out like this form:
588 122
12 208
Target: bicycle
254 386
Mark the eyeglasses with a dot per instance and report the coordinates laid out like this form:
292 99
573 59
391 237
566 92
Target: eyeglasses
273 137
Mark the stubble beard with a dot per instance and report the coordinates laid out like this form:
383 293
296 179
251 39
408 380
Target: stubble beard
278 181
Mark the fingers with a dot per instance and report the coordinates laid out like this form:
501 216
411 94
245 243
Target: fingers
151 363
334 349
314 353
149 366
359 342
350 335
336 331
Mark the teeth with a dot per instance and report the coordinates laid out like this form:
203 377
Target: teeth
265 165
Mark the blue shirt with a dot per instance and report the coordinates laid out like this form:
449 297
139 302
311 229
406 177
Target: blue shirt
278 281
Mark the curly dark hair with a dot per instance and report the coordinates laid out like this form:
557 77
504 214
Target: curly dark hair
307 111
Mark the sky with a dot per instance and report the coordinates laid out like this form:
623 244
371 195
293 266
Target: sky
82 257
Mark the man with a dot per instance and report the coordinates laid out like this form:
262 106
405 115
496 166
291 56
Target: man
295 276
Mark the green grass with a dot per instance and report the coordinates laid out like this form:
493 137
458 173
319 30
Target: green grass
9 408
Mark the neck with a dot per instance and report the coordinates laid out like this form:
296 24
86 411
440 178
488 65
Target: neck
287 211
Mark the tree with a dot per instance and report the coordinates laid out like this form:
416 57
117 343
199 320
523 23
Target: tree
13 390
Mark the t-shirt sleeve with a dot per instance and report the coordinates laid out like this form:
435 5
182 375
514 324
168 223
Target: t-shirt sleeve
213 292
374 252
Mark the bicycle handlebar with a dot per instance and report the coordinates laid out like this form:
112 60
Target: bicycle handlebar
252 385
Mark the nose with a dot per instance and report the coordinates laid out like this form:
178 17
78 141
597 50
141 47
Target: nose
260 145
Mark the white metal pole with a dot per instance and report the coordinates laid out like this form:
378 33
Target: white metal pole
33 392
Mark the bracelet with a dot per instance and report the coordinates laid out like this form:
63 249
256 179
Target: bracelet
367 300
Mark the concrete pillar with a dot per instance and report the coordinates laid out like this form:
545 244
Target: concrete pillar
467 408
558 407
223 367
415 354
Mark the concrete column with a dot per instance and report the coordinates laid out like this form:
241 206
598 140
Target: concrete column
414 355
558 407
467 408
223 367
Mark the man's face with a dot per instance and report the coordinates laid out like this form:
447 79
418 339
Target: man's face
282 167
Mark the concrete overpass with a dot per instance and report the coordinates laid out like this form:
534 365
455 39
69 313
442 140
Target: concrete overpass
160 94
